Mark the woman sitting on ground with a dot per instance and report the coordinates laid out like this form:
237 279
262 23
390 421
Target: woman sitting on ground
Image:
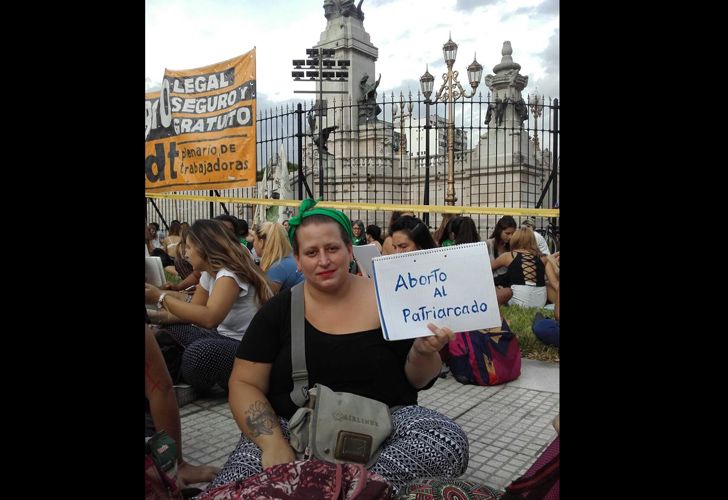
387 247
374 236
231 290
553 267
360 237
148 245
156 246
498 244
547 330
162 412
442 235
169 244
410 234
276 256
462 230
526 270
182 267
347 352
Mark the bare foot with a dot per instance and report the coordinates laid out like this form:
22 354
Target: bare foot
191 474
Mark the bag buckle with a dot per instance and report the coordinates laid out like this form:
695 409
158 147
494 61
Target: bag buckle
353 447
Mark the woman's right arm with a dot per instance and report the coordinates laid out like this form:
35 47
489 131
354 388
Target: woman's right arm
503 260
276 275
555 261
552 274
247 387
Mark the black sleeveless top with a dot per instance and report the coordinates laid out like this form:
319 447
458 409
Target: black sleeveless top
524 266
362 363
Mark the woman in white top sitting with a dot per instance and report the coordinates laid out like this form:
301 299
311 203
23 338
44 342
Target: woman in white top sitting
231 290
169 244
498 244
526 269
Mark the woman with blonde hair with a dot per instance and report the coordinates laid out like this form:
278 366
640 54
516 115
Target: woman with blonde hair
210 325
276 256
526 269
172 240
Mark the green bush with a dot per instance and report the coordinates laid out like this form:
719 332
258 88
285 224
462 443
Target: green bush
520 320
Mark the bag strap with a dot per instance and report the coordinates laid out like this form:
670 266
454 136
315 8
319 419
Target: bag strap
299 373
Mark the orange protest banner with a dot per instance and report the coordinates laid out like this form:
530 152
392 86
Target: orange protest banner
200 128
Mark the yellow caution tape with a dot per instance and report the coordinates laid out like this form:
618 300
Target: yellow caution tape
341 205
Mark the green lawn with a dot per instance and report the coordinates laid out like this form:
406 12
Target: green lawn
520 319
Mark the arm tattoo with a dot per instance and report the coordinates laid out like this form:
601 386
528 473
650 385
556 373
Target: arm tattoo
260 419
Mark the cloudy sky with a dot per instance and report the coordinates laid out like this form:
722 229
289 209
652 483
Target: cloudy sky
186 34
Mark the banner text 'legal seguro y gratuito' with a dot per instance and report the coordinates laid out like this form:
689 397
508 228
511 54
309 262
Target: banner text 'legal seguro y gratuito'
200 128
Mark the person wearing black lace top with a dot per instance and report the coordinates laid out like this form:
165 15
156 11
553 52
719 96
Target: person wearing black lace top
526 269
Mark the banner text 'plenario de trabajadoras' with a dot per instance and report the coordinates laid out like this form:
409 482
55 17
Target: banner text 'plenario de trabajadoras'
200 128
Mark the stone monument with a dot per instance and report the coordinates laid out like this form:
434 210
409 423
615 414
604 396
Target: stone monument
345 34
345 169
506 147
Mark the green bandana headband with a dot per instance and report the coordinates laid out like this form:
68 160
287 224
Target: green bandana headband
307 208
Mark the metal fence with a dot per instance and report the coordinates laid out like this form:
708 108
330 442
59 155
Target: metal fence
513 163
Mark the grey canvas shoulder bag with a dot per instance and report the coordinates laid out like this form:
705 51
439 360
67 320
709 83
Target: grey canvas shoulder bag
338 427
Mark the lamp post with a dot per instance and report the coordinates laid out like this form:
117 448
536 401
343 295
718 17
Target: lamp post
426 82
536 105
450 91
322 67
401 112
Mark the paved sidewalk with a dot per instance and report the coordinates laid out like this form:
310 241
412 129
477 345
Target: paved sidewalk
508 425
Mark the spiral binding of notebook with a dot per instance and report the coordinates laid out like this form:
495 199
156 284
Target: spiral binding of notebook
438 250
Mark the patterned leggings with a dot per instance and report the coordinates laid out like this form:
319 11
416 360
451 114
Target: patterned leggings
423 443
208 358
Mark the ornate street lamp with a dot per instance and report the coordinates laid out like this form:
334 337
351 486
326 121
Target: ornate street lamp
536 105
450 91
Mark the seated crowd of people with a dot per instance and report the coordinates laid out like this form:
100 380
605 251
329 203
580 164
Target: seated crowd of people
231 313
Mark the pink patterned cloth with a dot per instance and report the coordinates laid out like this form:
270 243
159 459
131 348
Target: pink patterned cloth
157 485
542 480
305 479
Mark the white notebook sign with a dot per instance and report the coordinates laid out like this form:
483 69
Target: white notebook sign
364 255
449 286
154 271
